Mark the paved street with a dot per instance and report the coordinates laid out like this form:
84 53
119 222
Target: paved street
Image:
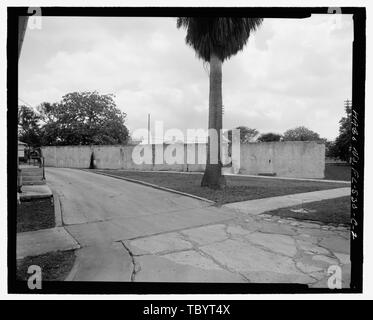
130 232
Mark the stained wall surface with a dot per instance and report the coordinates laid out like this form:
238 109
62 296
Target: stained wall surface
301 159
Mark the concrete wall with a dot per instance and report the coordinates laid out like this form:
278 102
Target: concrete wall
283 159
120 157
67 156
300 159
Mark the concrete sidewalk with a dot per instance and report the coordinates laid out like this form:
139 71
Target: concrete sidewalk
243 250
228 173
258 206
38 242
35 192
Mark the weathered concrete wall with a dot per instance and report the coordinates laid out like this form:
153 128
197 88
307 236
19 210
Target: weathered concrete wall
301 159
120 157
283 159
67 156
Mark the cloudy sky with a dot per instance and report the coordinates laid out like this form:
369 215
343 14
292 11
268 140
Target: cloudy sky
291 73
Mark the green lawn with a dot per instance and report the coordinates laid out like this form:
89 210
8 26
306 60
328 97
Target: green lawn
337 172
237 189
55 266
333 211
35 214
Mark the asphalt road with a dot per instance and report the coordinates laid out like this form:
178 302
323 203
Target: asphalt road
100 208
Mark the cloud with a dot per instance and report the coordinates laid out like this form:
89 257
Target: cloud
292 72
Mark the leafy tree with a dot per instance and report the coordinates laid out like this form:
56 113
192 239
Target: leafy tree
301 134
331 150
214 41
343 141
29 126
269 137
83 118
246 134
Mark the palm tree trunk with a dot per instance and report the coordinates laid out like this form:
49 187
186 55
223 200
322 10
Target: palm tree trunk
212 177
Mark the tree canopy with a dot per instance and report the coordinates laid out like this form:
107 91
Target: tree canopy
29 126
341 148
269 137
246 134
301 134
80 118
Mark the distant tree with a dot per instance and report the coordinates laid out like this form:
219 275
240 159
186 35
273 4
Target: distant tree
83 118
343 141
331 150
301 134
29 126
269 137
246 134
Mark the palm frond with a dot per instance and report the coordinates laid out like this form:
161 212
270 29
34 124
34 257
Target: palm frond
221 36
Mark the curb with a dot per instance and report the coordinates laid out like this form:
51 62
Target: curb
59 223
152 186
57 209
73 271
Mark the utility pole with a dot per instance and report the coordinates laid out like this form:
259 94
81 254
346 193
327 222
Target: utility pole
148 128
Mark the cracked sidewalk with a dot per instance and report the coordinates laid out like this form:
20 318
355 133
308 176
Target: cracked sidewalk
247 249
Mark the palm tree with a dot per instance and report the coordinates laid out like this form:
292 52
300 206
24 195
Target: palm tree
215 40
